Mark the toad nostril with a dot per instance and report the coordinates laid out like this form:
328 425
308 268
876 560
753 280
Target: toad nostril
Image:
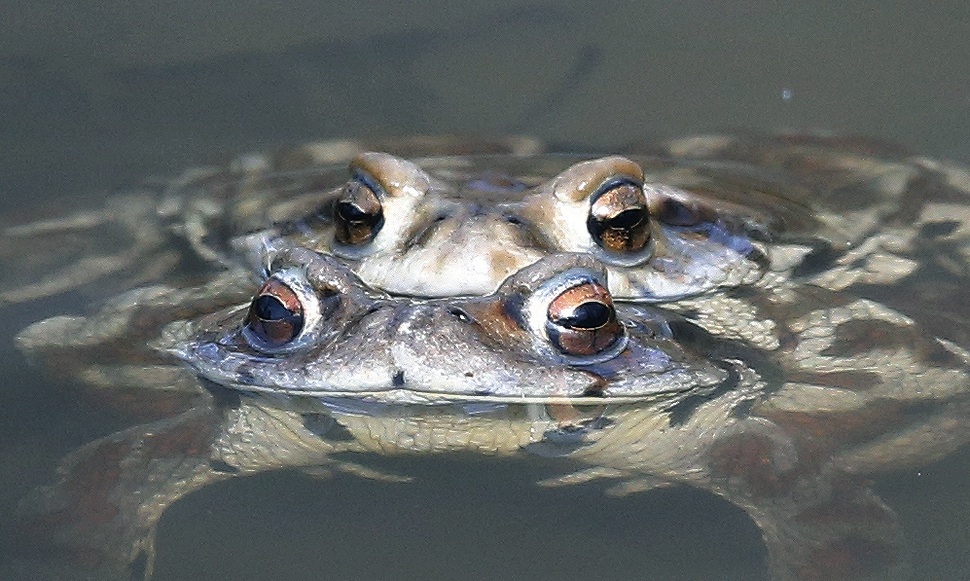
460 315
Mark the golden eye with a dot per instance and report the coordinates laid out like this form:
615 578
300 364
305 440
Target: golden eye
275 315
619 220
358 214
581 321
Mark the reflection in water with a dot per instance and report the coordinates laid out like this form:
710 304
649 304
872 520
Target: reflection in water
816 376
818 516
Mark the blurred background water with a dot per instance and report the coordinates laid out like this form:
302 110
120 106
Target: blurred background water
98 95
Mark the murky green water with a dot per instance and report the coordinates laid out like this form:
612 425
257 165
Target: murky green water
95 98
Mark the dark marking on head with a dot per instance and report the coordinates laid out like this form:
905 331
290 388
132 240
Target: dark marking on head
422 237
497 322
692 335
603 373
675 212
398 379
513 308
526 234
246 374
646 328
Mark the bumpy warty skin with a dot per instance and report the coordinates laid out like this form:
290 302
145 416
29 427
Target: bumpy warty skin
451 347
827 345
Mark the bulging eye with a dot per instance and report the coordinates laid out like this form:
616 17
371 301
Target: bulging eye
358 214
619 220
276 314
581 321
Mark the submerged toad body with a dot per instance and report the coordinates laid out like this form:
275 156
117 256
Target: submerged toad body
779 387
780 399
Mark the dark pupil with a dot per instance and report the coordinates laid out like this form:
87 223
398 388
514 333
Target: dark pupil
589 315
357 222
269 308
272 322
627 219
351 213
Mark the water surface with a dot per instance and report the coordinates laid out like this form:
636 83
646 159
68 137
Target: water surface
96 98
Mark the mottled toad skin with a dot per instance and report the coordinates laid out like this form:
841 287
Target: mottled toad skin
835 351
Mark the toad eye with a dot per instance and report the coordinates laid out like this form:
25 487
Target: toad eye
619 220
276 314
358 214
581 320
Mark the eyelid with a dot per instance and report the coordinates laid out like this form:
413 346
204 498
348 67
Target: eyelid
582 180
392 175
